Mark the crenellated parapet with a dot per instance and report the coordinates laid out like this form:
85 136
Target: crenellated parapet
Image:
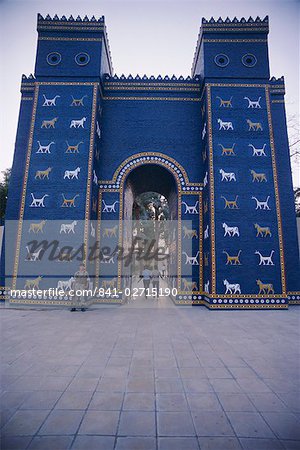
277 86
27 85
152 78
151 83
235 22
28 79
63 22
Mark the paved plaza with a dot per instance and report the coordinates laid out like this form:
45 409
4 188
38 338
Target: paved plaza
150 378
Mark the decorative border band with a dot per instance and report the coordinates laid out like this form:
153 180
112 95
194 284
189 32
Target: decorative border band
174 99
235 40
54 38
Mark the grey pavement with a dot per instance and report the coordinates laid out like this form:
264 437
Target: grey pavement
150 376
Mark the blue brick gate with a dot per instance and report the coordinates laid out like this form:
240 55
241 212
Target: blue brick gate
214 144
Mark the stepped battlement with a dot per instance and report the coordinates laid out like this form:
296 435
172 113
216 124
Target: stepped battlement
28 79
235 21
152 78
70 20
275 80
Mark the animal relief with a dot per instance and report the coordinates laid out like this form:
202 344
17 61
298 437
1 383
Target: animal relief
98 131
206 232
262 231
189 233
109 284
68 203
262 204
65 285
230 204
38 202
253 103
225 125
225 103
73 148
232 288
42 174
204 131
265 288
190 209
71 174
44 148
37 227
109 208
110 232
233 259
35 256
78 101
265 260
192 260
206 287
78 123
189 285
258 177
227 176
227 150
93 231
49 123
95 179
33 283
68 228
258 151
50 101
230 231
254 126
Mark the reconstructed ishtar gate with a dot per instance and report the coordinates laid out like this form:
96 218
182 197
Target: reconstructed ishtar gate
213 144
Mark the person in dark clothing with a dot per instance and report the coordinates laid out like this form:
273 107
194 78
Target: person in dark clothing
146 277
81 283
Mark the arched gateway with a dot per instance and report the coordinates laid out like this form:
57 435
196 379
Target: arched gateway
212 148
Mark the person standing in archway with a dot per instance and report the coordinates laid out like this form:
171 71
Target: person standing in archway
155 281
146 277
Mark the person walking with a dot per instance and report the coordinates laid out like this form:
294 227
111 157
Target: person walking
146 277
163 271
81 283
155 281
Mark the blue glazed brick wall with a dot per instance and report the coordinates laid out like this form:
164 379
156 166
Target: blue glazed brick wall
290 239
169 127
58 159
244 187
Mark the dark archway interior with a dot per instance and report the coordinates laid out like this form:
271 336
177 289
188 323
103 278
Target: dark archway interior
151 177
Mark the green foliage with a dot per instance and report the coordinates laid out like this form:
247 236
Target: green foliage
3 191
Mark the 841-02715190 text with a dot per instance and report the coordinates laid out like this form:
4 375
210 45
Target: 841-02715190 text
137 292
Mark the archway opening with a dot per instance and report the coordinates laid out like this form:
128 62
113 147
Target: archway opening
150 224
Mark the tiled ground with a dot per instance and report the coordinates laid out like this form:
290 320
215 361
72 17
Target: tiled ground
156 378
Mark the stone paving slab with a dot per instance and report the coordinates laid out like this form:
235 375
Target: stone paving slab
158 377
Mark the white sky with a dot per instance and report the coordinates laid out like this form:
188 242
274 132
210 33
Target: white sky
146 37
